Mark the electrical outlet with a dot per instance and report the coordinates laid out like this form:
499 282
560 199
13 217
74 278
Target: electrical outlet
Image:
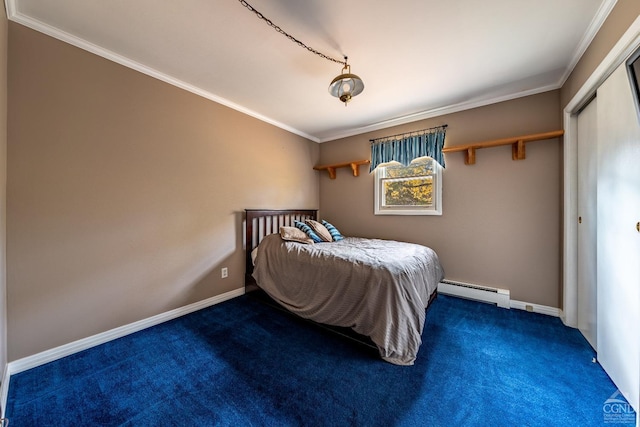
224 272
528 307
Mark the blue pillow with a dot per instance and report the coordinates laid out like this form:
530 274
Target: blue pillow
335 234
304 227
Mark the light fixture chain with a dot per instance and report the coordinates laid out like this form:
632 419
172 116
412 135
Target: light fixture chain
289 36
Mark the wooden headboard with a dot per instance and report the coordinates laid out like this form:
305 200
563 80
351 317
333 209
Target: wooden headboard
262 222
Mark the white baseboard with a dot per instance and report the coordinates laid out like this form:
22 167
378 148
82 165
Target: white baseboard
500 297
56 353
536 308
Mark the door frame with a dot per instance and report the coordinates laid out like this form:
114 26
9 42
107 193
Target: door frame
629 41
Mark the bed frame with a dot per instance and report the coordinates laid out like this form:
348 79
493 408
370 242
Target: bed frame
262 222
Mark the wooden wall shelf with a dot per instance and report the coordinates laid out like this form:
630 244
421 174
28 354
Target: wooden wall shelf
332 168
517 143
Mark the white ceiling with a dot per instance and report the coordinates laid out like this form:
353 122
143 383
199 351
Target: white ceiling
418 58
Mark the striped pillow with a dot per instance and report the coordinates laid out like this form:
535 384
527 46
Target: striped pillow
335 234
304 227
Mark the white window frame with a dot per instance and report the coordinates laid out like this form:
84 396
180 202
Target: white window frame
379 209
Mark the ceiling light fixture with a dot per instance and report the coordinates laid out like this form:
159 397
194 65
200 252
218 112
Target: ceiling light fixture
345 86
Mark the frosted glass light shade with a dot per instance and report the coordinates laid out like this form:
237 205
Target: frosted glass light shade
346 86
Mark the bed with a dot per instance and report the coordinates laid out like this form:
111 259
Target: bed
378 288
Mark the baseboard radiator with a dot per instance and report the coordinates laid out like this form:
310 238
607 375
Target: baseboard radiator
500 297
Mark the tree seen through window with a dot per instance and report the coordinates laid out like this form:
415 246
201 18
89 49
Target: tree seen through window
409 185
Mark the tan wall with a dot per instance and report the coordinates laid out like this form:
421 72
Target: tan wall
125 194
618 21
3 186
501 219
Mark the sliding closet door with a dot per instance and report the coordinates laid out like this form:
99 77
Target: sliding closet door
618 240
587 220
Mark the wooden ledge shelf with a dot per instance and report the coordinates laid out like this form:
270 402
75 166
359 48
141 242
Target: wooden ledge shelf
332 168
517 143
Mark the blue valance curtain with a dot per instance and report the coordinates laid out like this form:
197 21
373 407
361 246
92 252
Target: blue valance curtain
404 148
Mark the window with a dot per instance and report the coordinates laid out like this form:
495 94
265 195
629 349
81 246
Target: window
409 190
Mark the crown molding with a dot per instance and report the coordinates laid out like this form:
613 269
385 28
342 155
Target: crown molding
603 12
437 112
596 23
14 15
594 26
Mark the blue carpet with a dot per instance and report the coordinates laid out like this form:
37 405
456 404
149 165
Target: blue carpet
244 363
